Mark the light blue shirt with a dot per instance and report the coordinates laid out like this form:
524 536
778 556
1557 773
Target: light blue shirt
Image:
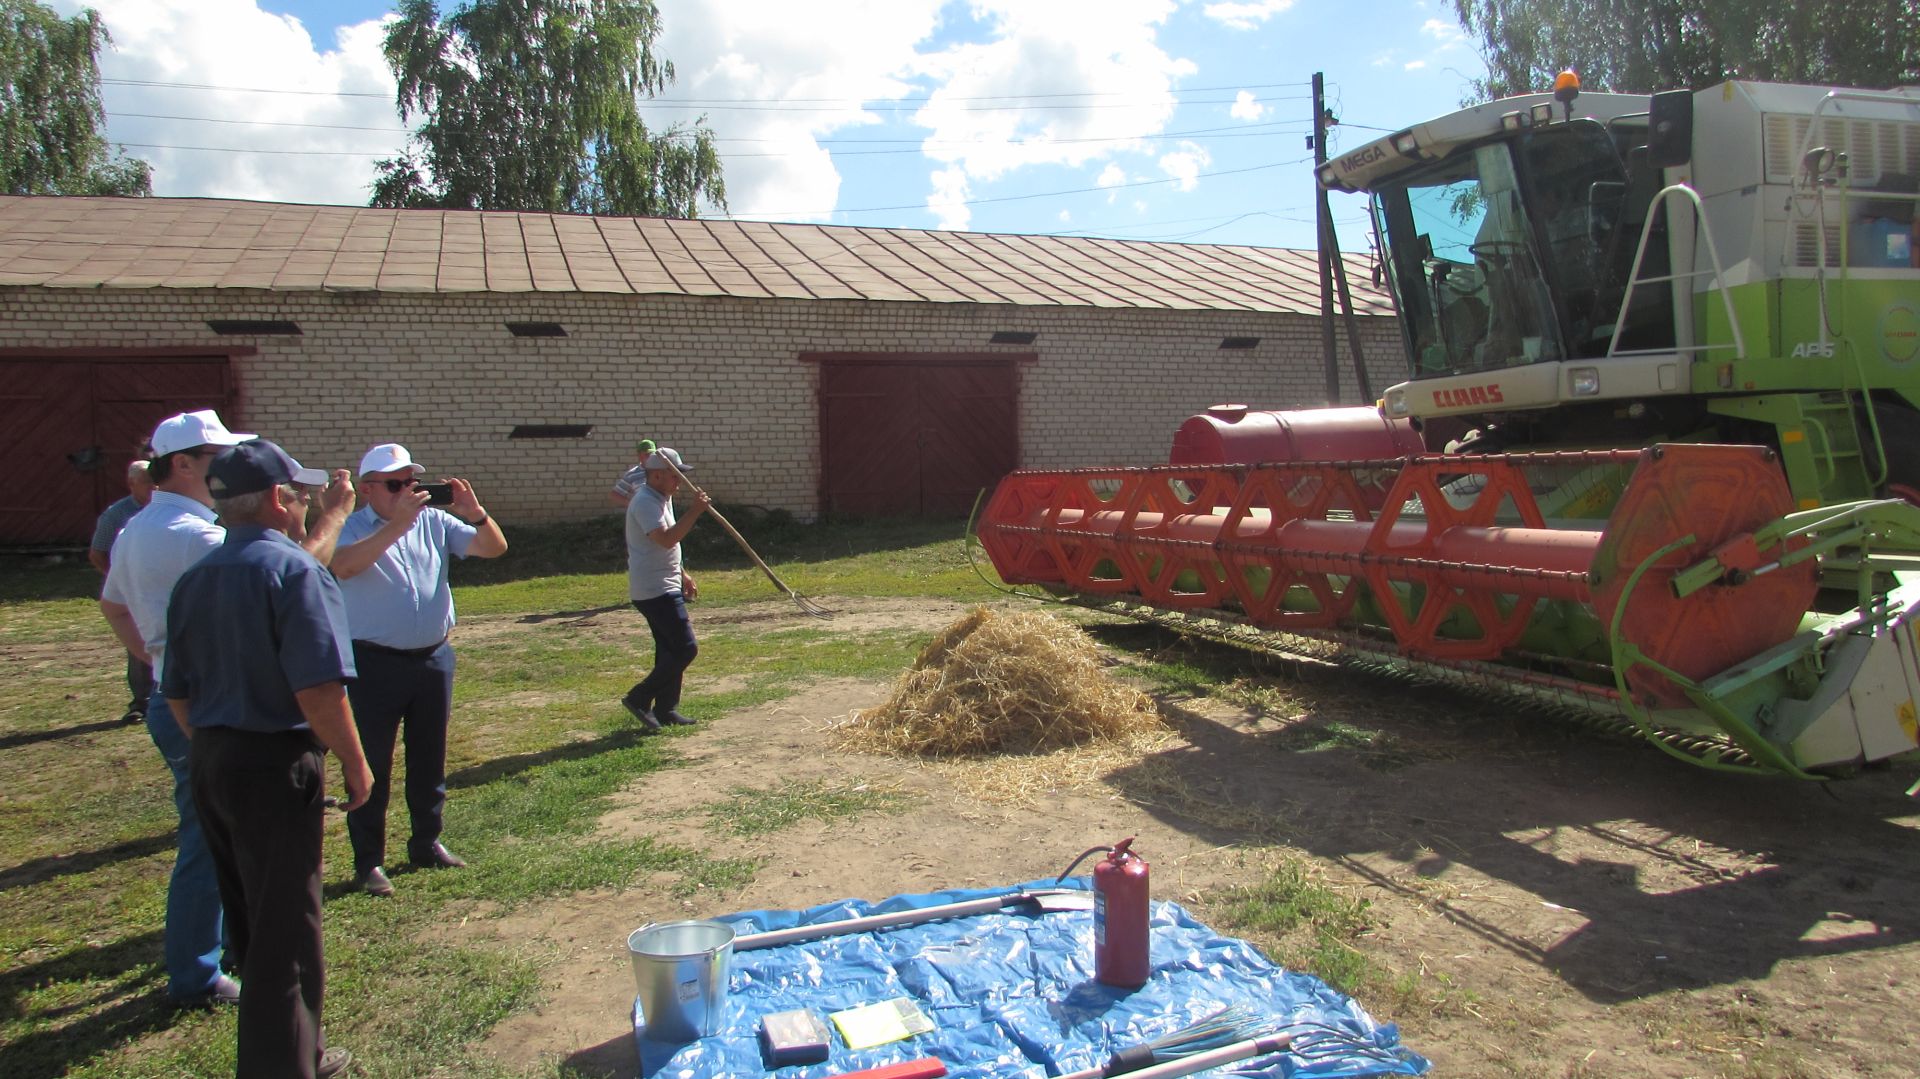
159 544
652 570
402 600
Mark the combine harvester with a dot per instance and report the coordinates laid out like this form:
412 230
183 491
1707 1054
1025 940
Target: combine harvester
1657 462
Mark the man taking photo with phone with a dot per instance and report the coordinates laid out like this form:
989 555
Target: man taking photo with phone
392 566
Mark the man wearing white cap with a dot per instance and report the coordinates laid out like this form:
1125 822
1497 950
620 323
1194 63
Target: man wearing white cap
161 542
392 566
660 586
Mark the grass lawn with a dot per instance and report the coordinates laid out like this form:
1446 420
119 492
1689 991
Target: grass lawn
539 743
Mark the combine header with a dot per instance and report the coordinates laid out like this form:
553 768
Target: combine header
1740 584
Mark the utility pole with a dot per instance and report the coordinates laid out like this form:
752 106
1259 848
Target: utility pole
1324 219
1333 268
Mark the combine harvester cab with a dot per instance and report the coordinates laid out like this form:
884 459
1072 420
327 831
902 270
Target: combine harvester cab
1672 346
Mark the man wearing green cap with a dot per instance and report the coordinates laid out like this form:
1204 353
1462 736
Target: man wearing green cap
633 478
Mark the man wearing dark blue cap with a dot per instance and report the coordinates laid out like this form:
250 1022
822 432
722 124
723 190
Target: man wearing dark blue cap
258 657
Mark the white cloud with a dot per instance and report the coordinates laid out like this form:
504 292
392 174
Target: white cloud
1443 31
1247 15
1185 164
810 67
1246 108
804 72
232 43
1042 53
948 201
1413 65
1111 175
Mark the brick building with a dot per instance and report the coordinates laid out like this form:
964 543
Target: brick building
806 368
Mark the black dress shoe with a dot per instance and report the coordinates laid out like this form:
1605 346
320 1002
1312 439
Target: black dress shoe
436 857
373 882
675 718
647 722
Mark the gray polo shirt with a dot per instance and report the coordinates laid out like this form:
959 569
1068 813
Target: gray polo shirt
652 570
112 520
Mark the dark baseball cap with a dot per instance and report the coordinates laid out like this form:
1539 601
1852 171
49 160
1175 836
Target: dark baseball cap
255 466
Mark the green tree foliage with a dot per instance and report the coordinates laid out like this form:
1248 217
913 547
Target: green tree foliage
1640 46
534 105
50 115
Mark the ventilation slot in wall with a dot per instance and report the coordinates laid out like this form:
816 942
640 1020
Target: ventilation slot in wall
253 327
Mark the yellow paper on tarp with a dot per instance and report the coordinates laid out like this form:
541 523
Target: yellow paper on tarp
877 1024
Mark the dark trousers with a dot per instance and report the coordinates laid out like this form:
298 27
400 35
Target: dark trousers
673 652
407 696
139 684
259 798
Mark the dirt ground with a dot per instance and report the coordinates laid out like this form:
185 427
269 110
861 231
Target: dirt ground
1575 905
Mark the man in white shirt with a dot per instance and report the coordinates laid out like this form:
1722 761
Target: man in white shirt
660 586
164 540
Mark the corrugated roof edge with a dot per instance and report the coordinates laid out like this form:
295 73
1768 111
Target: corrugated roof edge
944 267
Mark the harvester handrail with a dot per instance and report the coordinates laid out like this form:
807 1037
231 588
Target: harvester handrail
1869 97
1719 275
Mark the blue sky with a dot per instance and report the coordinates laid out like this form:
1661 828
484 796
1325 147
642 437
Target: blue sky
1138 119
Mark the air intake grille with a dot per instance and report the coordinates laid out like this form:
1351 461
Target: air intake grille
1874 148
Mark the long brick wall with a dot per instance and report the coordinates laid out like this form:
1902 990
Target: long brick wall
718 377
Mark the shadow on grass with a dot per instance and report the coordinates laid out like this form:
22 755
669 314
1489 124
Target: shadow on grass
62 865
38 578
580 615
615 1058
117 1013
478 775
54 734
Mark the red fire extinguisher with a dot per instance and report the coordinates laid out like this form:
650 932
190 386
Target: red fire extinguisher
1121 952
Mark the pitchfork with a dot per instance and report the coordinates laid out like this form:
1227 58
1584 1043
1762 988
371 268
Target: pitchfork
806 605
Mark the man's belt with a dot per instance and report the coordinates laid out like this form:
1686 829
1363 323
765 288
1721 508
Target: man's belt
388 650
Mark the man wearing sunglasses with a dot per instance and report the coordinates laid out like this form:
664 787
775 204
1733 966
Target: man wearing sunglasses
173 533
392 567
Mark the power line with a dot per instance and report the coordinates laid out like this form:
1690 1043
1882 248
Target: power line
388 95
1238 129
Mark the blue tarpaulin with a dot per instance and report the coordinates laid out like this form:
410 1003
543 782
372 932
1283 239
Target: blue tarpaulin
1012 996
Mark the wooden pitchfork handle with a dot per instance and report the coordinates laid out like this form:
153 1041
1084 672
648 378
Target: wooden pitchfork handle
806 604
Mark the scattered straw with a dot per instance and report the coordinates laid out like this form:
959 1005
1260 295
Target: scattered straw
1017 683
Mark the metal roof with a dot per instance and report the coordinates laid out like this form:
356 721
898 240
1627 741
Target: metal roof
74 242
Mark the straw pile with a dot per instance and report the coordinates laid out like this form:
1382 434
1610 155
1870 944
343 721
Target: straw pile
1020 682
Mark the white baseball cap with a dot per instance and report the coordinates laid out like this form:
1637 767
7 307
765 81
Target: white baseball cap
388 457
658 460
191 430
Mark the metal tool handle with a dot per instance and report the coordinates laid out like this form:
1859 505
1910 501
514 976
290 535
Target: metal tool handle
1046 899
731 531
776 937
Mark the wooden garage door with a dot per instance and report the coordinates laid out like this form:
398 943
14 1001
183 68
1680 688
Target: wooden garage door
69 428
911 436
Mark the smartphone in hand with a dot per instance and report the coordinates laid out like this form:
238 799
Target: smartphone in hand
438 494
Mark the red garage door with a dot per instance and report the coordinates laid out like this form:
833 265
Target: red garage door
915 435
70 427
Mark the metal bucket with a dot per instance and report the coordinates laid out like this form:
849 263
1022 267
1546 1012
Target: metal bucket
680 974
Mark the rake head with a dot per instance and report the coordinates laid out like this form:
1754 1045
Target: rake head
808 606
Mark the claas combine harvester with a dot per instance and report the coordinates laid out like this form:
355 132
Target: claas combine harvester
1657 458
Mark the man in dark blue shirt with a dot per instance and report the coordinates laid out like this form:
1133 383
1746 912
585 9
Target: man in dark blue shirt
258 658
